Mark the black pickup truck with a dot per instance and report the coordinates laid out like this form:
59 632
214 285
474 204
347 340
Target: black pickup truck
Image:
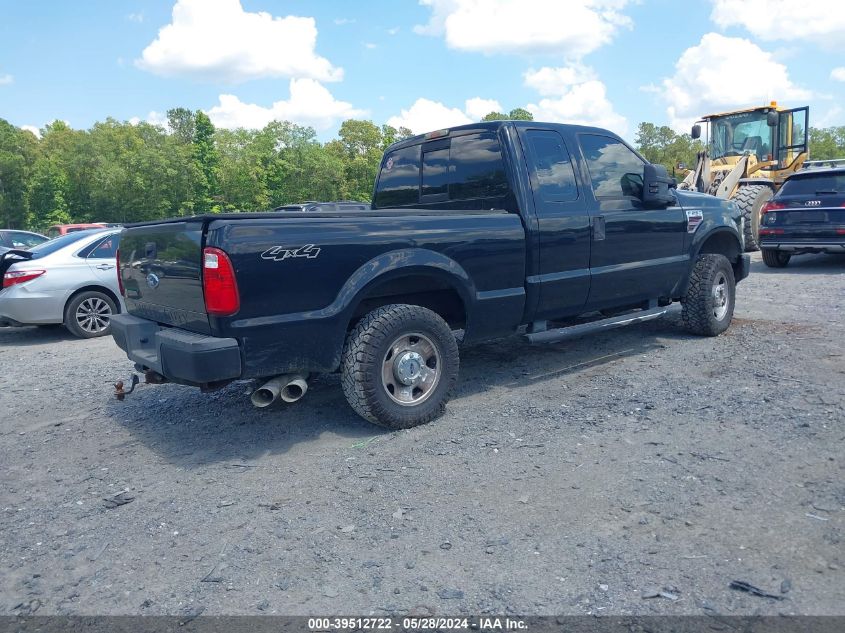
492 229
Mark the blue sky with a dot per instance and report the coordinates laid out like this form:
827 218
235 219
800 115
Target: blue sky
423 64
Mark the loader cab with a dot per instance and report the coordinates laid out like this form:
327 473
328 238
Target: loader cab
776 138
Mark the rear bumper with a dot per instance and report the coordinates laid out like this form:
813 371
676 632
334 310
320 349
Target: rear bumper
804 246
178 355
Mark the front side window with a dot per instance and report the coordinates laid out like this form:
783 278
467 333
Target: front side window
552 175
616 171
399 178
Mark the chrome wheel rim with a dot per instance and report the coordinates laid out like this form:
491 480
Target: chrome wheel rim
93 315
411 369
721 296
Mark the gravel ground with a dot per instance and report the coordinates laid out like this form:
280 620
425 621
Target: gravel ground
579 477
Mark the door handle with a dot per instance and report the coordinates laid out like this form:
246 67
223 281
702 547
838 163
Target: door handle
105 266
598 228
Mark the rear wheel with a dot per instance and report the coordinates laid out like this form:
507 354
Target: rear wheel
775 259
89 314
708 304
399 366
750 200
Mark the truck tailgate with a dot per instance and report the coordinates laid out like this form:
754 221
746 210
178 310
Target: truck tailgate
161 266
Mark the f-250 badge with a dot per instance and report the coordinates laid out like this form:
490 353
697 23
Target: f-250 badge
694 218
279 253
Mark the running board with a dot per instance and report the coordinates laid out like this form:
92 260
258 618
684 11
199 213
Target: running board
549 336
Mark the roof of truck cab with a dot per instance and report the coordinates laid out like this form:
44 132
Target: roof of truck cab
486 126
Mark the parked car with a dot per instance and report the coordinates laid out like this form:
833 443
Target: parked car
70 279
493 228
326 207
807 215
21 240
63 229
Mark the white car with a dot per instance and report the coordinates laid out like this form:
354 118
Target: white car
71 279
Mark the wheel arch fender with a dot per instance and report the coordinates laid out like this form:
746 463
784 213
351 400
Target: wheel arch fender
409 262
715 238
93 288
768 182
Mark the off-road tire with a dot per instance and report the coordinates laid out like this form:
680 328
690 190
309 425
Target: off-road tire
750 200
699 302
364 355
72 323
776 259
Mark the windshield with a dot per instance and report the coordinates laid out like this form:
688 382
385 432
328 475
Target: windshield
57 243
736 134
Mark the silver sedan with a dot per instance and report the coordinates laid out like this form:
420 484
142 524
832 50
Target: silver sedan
71 280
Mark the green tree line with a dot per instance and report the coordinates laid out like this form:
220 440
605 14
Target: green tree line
123 172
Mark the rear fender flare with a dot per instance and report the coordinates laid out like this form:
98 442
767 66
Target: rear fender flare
399 263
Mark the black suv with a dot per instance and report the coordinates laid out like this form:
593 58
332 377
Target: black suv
807 215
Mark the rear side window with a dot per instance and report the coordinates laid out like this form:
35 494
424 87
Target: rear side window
24 240
399 179
552 175
817 184
107 249
615 170
467 167
476 168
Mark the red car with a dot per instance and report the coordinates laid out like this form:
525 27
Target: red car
63 229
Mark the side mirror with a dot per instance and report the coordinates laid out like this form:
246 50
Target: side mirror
696 131
772 117
656 187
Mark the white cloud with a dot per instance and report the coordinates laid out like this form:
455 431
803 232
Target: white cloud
33 129
218 40
557 81
832 117
393 31
342 21
708 78
310 103
6 79
426 115
135 17
838 74
370 45
157 118
821 22
477 108
583 103
572 28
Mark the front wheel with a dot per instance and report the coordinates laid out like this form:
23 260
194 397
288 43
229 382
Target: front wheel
399 366
89 314
708 304
775 259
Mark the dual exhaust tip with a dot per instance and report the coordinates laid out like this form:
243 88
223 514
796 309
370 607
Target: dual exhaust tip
288 388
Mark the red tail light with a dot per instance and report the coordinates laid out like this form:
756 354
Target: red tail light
764 231
119 275
219 284
20 276
773 206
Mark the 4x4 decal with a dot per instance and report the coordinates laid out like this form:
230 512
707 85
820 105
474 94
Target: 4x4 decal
280 253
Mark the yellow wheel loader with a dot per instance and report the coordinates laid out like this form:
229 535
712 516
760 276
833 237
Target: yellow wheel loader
748 154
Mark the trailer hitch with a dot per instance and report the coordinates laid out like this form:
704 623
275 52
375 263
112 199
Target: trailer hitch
120 393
